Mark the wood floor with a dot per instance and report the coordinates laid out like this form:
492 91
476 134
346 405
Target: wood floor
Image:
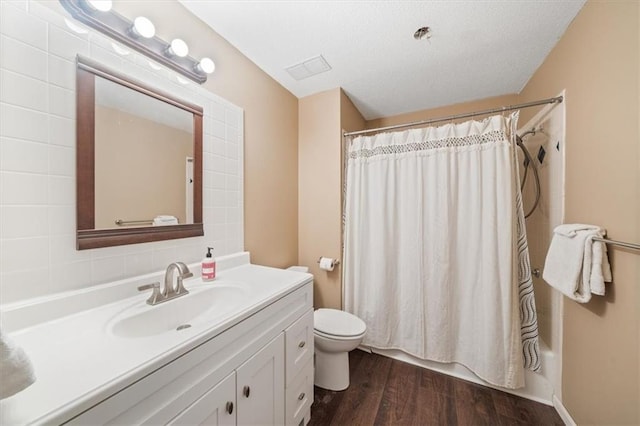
384 391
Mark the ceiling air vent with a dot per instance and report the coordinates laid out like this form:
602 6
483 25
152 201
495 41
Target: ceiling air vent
308 68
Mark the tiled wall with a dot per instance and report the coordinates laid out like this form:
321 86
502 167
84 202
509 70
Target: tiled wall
37 159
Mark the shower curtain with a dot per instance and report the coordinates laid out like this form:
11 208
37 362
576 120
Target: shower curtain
435 253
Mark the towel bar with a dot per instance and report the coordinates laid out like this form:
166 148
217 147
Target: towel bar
618 243
121 222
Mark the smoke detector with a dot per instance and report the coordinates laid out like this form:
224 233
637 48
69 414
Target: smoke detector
423 33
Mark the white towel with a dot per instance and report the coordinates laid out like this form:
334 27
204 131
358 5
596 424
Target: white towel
576 265
163 220
16 371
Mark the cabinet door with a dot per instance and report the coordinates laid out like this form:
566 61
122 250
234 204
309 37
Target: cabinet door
260 391
216 407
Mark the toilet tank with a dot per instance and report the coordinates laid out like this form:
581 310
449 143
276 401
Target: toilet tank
298 268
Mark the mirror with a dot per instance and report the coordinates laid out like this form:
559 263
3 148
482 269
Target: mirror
139 161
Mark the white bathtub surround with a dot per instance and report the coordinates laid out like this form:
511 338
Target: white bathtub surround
83 355
436 259
37 159
576 265
550 126
16 371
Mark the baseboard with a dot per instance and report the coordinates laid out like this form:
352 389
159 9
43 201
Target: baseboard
562 412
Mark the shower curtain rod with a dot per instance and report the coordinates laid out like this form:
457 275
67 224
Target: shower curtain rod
555 100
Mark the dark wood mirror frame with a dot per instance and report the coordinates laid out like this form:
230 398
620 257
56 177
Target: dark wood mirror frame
87 237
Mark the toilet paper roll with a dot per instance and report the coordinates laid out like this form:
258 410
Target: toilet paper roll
327 263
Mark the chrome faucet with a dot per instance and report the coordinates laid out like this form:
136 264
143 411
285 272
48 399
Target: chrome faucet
169 291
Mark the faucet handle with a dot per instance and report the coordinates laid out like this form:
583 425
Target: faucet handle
156 296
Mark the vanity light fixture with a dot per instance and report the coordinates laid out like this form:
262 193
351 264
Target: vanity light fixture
139 35
143 27
178 48
206 65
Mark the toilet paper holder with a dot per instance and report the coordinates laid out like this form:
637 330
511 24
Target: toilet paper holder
335 261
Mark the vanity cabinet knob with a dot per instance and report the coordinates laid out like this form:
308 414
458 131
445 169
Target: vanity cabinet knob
301 396
246 391
301 344
230 407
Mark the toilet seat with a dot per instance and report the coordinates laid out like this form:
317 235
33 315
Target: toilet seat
336 324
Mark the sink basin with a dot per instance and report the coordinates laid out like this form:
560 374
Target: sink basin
201 306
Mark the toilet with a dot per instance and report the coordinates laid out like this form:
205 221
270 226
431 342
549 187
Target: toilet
335 334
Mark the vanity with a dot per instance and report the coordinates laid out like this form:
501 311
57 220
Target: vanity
238 350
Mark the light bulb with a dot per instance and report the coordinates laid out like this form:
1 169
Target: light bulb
207 65
143 27
101 5
178 48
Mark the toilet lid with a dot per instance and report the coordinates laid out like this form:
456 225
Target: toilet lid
338 323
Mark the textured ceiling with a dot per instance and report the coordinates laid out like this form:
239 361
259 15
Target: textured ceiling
478 48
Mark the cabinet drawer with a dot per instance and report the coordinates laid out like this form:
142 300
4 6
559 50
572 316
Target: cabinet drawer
299 345
300 396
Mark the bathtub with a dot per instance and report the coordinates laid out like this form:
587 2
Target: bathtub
538 386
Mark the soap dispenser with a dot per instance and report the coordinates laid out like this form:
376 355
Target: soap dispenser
208 266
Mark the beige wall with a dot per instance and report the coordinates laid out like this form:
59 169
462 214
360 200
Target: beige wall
150 160
600 72
461 108
319 209
323 117
270 130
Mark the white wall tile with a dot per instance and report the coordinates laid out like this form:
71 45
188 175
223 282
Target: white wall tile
219 215
219 146
24 221
232 167
66 45
24 284
62 102
218 129
163 257
139 263
62 221
70 276
232 119
37 160
232 151
219 198
23 91
218 164
23 58
62 131
218 180
62 72
218 112
231 134
107 269
18 24
23 189
62 190
62 160
23 156
24 254
24 123
106 56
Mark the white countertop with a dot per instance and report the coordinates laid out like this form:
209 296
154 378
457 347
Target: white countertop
78 362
